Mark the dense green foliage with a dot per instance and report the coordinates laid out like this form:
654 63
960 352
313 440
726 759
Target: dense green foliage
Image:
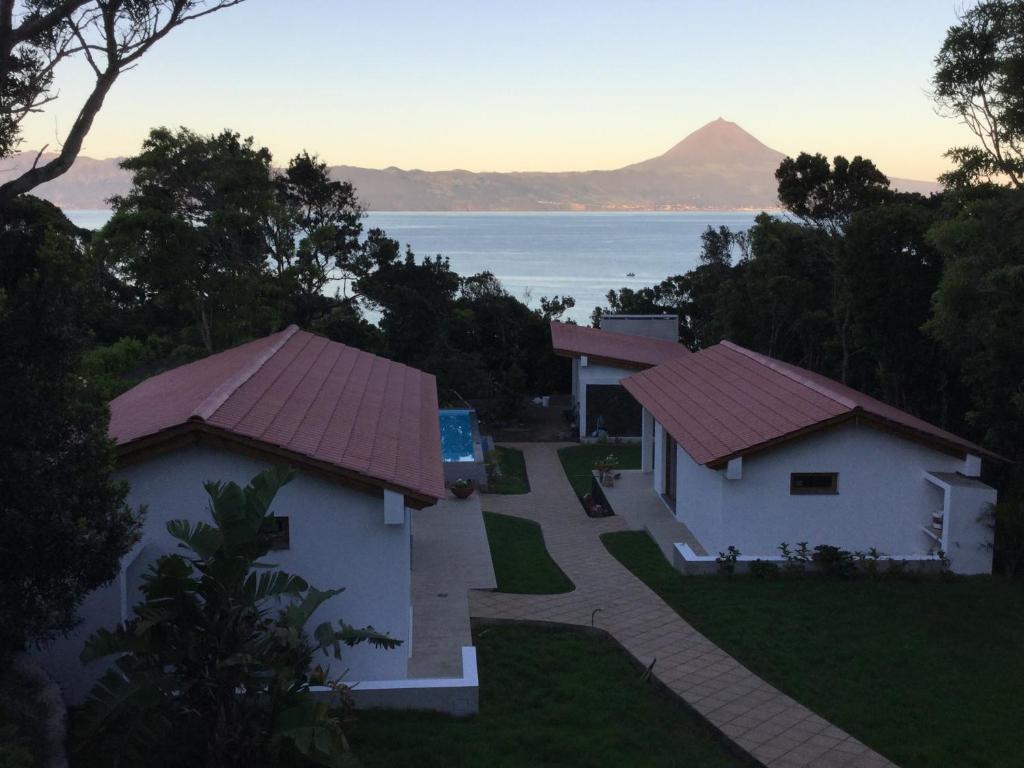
979 79
211 247
916 301
506 471
64 522
548 697
578 462
521 561
214 668
928 672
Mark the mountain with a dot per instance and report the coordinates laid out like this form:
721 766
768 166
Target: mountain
718 166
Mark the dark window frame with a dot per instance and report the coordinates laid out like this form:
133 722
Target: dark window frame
282 537
796 489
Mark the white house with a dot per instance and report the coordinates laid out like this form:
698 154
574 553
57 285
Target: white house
602 358
750 452
363 433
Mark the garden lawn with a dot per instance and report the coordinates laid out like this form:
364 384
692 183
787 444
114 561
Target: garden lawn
521 561
927 672
548 697
510 476
578 461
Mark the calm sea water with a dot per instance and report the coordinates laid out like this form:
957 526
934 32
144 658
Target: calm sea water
583 255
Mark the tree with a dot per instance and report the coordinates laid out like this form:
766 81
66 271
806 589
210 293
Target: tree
64 519
978 313
314 234
190 235
214 667
888 270
828 196
979 80
110 36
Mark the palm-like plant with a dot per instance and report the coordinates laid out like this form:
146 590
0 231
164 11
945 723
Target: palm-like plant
214 668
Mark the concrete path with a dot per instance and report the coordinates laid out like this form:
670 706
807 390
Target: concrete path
770 726
450 556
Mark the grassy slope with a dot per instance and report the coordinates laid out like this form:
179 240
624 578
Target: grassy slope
547 698
521 562
929 673
578 462
512 471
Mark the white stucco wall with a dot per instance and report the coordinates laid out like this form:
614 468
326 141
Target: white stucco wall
967 536
883 499
699 500
338 538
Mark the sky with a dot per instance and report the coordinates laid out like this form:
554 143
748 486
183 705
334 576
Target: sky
536 86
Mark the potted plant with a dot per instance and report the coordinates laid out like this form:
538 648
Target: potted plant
462 488
606 469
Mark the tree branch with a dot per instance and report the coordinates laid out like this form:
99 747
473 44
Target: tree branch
72 144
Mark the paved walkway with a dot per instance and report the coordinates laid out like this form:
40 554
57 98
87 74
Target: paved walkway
634 499
773 728
450 556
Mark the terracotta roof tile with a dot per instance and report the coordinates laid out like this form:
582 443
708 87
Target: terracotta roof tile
725 401
310 396
640 351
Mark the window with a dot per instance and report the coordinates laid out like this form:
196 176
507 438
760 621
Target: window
280 538
806 483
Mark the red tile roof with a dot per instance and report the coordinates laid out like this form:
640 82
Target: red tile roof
725 401
634 351
313 398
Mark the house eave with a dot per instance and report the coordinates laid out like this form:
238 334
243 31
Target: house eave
198 432
860 416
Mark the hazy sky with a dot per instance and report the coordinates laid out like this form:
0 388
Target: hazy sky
554 85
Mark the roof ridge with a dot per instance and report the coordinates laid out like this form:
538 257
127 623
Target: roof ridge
220 395
623 336
785 370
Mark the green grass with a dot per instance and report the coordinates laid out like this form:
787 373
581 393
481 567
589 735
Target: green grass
548 697
578 462
928 672
511 475
521 561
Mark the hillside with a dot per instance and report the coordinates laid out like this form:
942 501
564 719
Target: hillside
718 166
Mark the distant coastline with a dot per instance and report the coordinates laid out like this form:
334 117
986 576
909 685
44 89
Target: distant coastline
717 168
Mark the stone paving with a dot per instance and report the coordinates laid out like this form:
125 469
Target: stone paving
771 727
450 556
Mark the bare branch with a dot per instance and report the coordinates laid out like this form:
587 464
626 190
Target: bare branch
39 154
111 35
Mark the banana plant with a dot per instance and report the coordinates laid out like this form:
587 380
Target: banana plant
214 666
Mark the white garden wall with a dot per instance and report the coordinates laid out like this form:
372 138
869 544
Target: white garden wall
338 539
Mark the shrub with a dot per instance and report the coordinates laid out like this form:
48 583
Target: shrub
833 562
727 561
868 562
796 560
764 569
214 669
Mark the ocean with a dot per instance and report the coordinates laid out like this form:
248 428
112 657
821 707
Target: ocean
583 255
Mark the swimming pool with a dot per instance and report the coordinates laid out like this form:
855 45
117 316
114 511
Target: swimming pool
457 439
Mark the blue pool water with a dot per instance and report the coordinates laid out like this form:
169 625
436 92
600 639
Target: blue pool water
456 435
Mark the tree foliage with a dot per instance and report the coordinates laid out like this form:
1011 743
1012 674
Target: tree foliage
109 36
828 196
979 80
64 520
214 667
